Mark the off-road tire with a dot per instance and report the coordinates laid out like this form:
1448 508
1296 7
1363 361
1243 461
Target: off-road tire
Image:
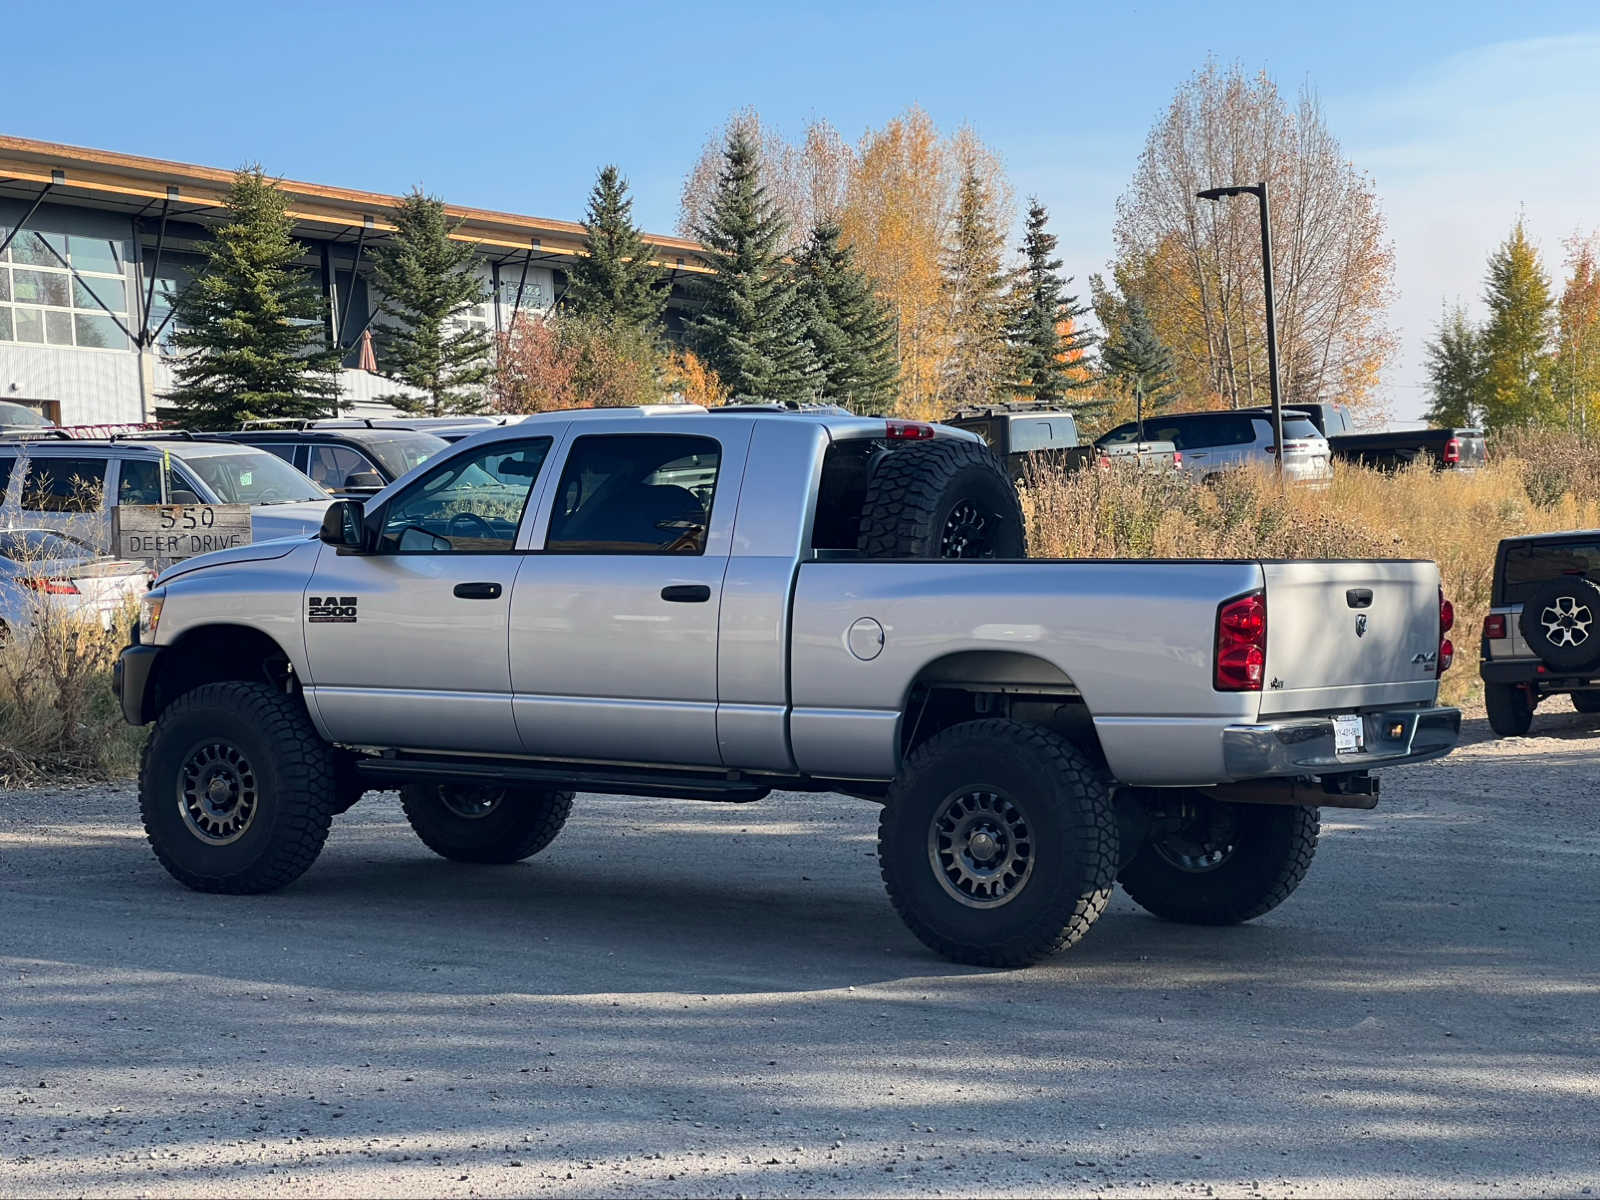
915 495
1067 816
291 768
1272 849
1586 702
1510 710
522 822
1570 656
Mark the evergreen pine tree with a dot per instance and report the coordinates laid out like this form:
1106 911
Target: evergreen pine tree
850 329
1046 336
615 280
1135 356
1518 354
1455 370
429 283
250 334
978 367
749 328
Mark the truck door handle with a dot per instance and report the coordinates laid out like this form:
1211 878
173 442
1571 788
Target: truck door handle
686 593
477 591
1358 597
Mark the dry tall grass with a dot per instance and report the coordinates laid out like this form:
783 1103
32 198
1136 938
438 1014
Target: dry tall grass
1454 518
58 717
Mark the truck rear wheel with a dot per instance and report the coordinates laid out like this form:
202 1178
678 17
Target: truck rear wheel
478 823
998 843
236 788
942 499
1220 864
1586 702
1510 709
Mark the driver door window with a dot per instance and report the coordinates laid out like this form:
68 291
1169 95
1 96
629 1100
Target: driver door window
331 466
471 504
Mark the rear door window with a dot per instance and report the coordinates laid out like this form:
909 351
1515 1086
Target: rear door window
635 494
1529 564
71 485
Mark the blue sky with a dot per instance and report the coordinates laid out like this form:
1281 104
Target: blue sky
1464 112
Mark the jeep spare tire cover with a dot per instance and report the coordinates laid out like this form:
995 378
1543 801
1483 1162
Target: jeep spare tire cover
943 498
1561 623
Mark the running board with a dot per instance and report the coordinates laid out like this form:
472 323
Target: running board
575 777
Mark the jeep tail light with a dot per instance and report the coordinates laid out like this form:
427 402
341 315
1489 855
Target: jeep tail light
52 587
1241 643
907 431
1177 458
1447 622
1452 452
1494 626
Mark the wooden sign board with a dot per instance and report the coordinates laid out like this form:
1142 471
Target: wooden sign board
164 533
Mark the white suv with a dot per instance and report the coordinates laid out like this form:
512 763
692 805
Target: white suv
1213 442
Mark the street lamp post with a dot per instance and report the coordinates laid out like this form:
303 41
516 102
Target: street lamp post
1259 191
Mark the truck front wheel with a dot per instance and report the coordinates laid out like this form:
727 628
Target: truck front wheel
484 823
236 789
1210 863
998 843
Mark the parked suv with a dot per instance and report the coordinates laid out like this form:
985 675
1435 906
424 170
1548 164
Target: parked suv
1213 442
352 457
71 484
1024 435
1542 635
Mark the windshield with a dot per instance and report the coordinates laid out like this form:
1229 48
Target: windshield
403 450
15 415
247 476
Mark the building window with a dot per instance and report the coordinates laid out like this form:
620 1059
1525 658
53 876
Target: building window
43 304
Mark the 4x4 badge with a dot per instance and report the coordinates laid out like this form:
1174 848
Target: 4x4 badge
1361 624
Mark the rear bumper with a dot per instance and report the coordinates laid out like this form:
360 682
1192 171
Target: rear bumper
130 680
1305 746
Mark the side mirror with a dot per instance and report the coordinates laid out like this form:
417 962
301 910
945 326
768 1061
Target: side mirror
363 481
343 526
182 496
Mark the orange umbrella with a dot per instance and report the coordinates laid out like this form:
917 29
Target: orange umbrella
367 360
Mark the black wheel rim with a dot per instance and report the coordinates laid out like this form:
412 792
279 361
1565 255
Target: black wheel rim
218 795
471 803
981 848
969 532
1201 843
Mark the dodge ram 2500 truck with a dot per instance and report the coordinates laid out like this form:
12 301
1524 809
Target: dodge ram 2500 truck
682 603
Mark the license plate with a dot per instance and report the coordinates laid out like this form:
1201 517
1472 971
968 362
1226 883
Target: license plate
1347 735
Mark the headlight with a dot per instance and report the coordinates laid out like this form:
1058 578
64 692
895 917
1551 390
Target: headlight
150 615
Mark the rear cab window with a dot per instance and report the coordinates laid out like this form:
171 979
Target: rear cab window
641 493
1524 566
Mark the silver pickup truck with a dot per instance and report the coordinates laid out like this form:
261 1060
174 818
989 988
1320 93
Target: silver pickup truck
682 603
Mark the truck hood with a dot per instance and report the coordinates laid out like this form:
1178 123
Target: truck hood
254 552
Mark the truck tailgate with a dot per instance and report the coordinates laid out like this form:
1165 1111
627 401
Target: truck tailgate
1350 634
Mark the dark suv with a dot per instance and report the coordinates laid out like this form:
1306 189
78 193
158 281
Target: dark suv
1542 635
351 458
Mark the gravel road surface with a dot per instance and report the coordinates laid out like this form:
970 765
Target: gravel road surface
697 999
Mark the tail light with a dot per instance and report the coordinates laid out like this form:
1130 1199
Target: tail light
1241 643
1494 626
52 587
1452 452
1105 460
1447 622
1177 458
907 431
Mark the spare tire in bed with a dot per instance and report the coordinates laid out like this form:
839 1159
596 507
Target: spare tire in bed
942 499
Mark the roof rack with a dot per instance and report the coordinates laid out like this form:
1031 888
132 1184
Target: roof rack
1009 407
272 422
34 435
